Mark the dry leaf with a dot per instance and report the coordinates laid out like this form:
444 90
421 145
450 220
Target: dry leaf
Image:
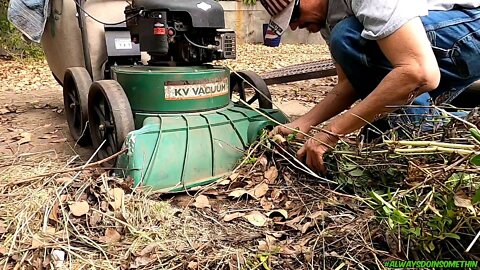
117 195
294 223
319 214
464 203
314 217
276 194
289 205
182 201
2 229
26 138
232 216
307 226
3 250
266 204
277 234
63 180
224 182
148 249
287 251
263 246
286 177
141 261
50 230
95 218
79 209
258 191
111 236
59 140
48 137
11 108
4 111
40 106
282 212
36 242
233 176
308 256
268 245
256 218
104 206
271 240
271 175
210 192
55 208
202 202
192 265
237 193
263 161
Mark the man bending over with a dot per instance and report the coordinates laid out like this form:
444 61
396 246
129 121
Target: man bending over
387 53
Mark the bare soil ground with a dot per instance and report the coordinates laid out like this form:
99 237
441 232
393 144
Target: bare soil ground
31 112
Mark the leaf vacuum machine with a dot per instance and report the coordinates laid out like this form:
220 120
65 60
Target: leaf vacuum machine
138 79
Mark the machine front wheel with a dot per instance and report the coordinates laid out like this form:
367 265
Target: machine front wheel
110 117
76 83
240 81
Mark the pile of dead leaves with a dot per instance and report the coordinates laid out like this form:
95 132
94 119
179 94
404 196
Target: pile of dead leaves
258 218
268 214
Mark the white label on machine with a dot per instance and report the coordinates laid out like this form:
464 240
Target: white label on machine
204 6
196 91
123 43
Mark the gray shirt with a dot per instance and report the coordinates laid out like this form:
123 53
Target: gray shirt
380 18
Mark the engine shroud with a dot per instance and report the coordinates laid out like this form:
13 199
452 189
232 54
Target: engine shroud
181 31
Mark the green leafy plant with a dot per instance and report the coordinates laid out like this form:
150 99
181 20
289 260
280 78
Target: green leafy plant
431 212
249 2
476 198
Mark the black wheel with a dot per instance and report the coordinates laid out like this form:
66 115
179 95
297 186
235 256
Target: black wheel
242 81
469 98
110 117
76 83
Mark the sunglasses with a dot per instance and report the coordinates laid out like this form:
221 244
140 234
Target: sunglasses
296 12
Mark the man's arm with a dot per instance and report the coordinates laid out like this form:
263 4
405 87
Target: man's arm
340 98
415 71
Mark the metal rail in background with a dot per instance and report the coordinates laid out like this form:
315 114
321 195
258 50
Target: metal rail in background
300 72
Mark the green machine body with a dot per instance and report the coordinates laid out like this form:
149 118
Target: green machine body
188 132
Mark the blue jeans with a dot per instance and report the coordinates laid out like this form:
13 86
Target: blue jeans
455 39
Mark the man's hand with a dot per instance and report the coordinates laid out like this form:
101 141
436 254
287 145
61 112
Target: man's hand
290 128
313 150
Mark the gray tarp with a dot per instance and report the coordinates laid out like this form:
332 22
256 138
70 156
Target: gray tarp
29 16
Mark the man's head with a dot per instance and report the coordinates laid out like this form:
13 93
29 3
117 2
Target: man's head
308 14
